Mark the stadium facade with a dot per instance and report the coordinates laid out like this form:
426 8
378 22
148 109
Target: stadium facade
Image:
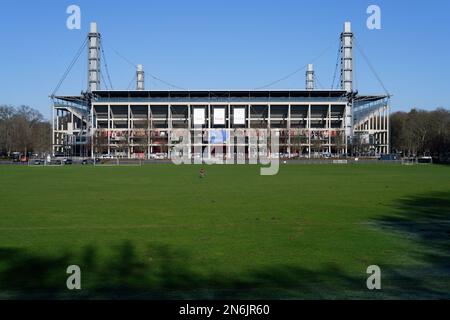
141 124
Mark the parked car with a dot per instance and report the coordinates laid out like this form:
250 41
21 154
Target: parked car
38 162
16 156
160 156
106 156
275 156
388 157
90 161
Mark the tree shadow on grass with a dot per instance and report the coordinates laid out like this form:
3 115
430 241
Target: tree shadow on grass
424 220
163 272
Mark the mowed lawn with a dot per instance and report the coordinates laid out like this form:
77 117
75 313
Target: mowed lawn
159 231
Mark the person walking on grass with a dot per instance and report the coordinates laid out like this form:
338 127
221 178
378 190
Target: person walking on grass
202 173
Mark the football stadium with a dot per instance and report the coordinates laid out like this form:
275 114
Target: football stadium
139 124
337 208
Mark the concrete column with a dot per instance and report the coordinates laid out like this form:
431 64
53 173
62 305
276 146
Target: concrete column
150 129
329 128
53 129
289 130
109 129
229 153
269 124
344 131
388 137
209 130
309 131
169 126
129 132
190 130
93 124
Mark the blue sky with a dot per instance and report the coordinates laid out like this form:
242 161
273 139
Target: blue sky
227 44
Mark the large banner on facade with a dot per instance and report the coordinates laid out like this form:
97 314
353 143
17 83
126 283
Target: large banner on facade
218 136
199 116
239 116
219 116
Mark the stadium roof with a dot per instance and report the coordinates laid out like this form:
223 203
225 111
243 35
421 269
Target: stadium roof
369 98
219 93
222 94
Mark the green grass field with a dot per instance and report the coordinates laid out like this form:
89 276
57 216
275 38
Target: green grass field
159 231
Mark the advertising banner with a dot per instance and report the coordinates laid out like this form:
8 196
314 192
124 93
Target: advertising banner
199 116
218 136
219 116
239 116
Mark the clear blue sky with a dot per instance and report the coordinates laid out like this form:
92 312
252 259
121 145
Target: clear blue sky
227 44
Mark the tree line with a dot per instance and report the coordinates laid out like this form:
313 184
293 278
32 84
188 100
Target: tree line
25 130
421 133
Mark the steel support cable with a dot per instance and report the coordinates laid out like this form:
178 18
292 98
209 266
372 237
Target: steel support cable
131 82
106 67
103 79
128 61
316 78
166 83
372 68
124 58
296 71
336 67
151 75
69 68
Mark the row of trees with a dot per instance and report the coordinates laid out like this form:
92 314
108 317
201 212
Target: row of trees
23 129
421 133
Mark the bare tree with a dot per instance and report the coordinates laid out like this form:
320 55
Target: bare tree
23 130
6 130
339 141
420 132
